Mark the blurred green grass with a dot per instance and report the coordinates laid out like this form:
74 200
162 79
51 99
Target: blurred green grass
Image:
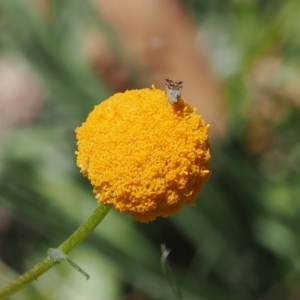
241 241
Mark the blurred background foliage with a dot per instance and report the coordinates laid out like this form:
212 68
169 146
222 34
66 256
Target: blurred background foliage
241 240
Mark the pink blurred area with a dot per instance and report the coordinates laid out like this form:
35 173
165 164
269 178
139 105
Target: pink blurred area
20 95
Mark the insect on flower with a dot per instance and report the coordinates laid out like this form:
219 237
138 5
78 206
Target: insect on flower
134 177
173 90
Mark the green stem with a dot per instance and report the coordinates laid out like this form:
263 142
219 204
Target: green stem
77 237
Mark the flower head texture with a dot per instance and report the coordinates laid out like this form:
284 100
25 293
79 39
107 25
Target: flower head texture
142 155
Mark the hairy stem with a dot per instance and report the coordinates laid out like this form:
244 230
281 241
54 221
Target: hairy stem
76 238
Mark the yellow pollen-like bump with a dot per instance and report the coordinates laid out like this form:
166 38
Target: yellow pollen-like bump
142 155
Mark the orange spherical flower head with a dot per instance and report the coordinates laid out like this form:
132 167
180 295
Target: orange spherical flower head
143 155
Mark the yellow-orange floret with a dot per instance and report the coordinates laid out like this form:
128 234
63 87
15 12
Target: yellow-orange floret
142 155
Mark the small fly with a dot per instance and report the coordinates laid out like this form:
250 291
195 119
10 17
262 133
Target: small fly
173 90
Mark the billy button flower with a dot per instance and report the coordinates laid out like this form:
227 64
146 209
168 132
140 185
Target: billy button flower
144 155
